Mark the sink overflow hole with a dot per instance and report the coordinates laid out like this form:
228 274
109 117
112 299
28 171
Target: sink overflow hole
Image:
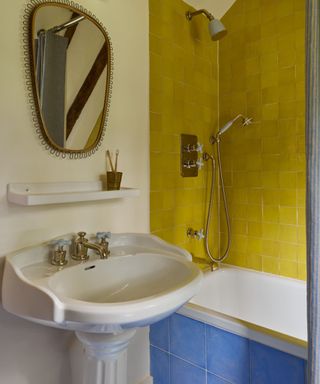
92 267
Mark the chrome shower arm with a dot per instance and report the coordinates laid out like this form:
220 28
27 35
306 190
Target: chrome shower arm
190 15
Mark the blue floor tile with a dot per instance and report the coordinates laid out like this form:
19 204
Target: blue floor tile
269 365
181 372
228 356
160 366
187 339
159 334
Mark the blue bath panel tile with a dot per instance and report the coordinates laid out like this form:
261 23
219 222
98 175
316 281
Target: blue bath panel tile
160 366
228 356
159 334
181 372
269 365
187 339
213 379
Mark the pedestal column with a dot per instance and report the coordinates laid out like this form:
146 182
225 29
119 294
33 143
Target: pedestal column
106 357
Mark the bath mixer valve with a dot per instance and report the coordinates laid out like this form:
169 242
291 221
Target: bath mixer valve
194 234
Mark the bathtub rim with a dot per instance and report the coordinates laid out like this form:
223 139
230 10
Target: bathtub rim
207 272
273 339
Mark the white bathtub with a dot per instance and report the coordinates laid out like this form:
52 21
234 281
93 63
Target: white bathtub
250 304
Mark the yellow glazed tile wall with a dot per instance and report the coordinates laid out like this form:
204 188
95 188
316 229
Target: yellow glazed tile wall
262 75
183 99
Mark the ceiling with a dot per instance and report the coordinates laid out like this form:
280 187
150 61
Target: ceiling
217 7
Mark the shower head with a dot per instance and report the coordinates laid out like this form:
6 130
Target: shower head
216 29
245 121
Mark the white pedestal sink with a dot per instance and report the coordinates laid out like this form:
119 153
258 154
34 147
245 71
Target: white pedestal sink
144 280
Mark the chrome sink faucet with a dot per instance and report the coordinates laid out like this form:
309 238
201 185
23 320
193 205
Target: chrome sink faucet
81 246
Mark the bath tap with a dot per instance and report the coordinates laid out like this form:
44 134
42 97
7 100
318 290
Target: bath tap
81 246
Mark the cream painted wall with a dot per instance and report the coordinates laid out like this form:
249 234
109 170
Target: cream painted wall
217 7
31 353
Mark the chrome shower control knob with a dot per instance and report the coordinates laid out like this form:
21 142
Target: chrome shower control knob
199 148
200 234
194 234
200 163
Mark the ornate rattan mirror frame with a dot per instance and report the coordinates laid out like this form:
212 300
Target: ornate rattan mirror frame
29 66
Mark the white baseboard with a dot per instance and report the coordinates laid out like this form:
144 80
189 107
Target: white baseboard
148 380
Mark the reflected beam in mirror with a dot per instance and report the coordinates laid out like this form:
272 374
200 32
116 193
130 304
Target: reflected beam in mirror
87 88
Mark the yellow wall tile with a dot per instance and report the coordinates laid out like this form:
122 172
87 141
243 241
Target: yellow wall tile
288 268
183 99
288 251
270 248
270 265
261 74
254 262
302 271
274 81
271 213
288 215
288 233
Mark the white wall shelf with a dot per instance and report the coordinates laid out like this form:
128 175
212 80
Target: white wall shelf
63 192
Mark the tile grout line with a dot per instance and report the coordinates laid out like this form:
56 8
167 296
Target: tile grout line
169 346
188 362
250 361
205 352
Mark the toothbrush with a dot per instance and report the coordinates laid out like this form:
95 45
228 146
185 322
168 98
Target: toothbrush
110 160
116 164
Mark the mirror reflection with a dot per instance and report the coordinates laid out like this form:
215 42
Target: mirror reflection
71 61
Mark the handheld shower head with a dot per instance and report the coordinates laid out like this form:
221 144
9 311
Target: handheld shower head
245 121
216 29
225 127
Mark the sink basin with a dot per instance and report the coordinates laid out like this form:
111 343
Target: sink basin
144 280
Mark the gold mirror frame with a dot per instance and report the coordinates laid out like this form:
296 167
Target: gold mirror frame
29 65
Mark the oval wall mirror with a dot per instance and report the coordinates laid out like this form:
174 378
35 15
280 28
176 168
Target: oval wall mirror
70 69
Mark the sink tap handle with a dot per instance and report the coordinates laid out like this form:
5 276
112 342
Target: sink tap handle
59 255
103 235
61 243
